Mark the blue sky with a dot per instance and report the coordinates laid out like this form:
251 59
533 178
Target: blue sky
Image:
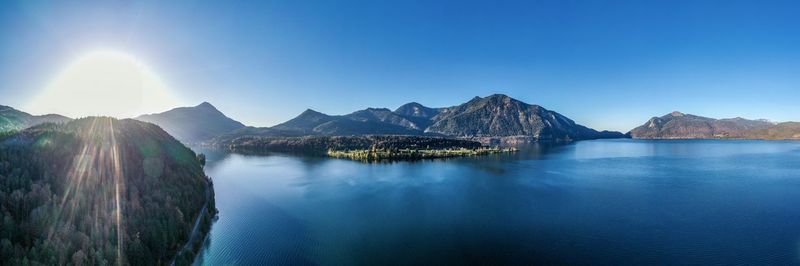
606 64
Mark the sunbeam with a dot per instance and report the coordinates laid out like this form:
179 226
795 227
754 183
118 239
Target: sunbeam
117 176
97 164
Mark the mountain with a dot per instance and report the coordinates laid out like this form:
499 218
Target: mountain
99 191
677 125
500 116
193 124
13 119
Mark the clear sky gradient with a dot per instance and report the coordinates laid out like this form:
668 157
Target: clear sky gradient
606 64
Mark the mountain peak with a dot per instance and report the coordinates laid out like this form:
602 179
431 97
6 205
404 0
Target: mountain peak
676 114
310 111
305 122
206 105
310 114
411 105
415 109
499 99
499 96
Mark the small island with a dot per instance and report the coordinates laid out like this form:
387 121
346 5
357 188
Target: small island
368 148
372 155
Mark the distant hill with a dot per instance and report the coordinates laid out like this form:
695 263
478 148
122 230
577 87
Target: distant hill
677 125
193 124
493 118
13 119
99 191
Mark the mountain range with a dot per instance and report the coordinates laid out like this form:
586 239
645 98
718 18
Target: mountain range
677 125
13 119
495 118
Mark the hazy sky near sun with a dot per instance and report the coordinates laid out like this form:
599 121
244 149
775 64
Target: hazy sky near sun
606 64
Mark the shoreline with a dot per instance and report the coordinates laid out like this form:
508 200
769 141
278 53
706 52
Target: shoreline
197 229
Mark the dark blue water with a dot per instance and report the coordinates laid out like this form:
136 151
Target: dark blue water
589 202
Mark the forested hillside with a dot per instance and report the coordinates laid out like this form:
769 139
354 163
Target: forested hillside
98 191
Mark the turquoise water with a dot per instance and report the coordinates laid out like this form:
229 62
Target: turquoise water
590 202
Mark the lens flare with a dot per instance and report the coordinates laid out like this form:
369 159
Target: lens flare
105 83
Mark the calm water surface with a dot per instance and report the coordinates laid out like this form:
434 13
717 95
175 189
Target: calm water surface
589 202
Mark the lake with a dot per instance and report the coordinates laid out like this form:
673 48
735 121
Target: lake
600 202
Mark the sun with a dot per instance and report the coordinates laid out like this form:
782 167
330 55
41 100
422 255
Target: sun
106 83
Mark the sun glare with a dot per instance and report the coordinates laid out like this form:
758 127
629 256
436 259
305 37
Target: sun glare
105 83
